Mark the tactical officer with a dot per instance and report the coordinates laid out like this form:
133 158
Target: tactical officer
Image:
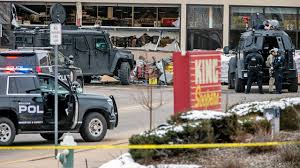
269 64
254 63
278 74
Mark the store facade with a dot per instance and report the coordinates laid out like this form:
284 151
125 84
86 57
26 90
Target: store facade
169 25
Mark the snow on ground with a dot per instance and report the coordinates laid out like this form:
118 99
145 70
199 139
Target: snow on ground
205 114
243 109
126 161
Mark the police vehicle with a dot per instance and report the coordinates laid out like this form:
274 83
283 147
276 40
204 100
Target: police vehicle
27 106
261 41
92 50
40 60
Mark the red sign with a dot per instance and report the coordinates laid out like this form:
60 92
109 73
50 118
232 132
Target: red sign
197 81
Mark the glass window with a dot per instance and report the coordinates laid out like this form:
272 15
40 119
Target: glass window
240 16
205 39
47 84
22 85
100 43
145 16
168 17
287 17
200 17
81 44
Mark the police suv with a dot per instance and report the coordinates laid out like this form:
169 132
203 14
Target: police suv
27 106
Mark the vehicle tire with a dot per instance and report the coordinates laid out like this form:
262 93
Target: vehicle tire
50 136
231 77
87 79
239 84
7 131
293 87
93 128
124 73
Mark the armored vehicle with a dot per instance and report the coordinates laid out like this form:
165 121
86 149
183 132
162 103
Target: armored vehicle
261 41
92 50
27 106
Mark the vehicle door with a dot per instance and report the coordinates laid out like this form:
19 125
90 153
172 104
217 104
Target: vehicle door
26 99
101 58
67 103
82 57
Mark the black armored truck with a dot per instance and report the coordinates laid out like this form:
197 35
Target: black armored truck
261 41
27 106
91 48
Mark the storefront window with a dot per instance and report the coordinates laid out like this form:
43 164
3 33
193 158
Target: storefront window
287 17
122 16
93 15
27 18
240 15
145 17
204 24
168 17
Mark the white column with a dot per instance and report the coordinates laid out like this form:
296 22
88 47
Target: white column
226 14
183 28
210 17
78 13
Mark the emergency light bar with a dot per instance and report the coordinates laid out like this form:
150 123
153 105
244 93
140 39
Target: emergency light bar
12 69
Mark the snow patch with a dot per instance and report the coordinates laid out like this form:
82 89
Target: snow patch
244 109
126 161
203 115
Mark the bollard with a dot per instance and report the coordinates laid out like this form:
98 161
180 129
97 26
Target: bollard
273 115
66 157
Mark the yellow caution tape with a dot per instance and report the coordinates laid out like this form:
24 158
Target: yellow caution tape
152 146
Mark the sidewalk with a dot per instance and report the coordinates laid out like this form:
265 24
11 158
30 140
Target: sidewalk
93 158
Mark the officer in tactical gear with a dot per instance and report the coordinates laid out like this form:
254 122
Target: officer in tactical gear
269 64
254 62
278 74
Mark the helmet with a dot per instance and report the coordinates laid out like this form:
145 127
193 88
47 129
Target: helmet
274 50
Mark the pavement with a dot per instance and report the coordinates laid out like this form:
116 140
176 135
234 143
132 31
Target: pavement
133 120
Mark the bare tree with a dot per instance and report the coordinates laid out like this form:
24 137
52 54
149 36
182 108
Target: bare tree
145 99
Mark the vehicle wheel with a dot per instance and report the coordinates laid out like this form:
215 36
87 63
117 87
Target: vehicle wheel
87 79
293 87
50 136
124 73
231 80
7 131
93 128
239 84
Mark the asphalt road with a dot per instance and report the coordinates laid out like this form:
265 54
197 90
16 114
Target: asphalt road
133 117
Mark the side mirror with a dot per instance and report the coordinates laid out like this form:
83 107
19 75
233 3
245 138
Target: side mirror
226 50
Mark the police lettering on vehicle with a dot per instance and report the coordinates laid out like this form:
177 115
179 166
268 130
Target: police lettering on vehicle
32 109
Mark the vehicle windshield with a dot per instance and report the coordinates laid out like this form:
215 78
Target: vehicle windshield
18 60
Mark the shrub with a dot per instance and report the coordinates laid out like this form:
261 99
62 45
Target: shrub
290 154
262 136
225 129
290 118
195 133
232 163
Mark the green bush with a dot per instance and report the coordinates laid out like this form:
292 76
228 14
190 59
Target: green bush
197 133
225 129
290 118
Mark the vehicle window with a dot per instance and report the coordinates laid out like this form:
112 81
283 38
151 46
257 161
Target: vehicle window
100 43
22 85
61 58
18 60
28 40
81 44
48 85
67 40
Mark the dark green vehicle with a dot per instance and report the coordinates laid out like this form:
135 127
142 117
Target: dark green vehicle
92 50
261 41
